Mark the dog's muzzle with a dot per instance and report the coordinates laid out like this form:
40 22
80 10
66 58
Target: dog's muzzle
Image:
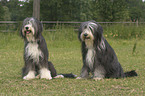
27 30
86 36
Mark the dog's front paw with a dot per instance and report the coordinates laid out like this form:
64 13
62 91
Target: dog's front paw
28 77
46 77
97 78
59 76
45 73
79 78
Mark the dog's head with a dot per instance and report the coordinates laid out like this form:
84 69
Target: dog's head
31 29
90 31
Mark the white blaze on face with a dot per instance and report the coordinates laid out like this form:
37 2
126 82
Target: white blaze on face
89 30
89 35
30 28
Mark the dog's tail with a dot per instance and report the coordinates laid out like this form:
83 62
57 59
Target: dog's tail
130 73
70 75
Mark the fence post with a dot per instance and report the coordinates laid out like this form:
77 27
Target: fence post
137 22
36 9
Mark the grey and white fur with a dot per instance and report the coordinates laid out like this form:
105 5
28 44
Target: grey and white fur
98 56
36 52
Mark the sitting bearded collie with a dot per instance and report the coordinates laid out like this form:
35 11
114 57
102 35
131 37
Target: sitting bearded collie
36 52
98 56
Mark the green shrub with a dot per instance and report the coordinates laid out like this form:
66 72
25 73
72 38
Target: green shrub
124 31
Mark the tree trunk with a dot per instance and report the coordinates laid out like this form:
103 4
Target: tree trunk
36 9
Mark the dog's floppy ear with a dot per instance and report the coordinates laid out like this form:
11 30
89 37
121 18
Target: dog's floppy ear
97 30
40 26
83 26
21 33
98 33
80 31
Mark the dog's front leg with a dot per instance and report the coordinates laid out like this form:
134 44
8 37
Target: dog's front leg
84 73
30 75
45 73
99 73
28 72
52 69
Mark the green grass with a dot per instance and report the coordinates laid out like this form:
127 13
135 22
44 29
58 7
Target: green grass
124 31
65 53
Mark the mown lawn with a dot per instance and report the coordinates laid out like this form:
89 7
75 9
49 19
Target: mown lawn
66 56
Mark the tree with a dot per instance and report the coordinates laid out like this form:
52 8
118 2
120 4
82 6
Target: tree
143 12
111 10
1 12
136 9
75 10
19 10
66 10
3 2
36 9
6 14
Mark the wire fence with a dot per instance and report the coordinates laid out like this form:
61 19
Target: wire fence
12 26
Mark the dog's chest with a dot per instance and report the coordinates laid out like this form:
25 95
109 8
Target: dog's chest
90 58
32 51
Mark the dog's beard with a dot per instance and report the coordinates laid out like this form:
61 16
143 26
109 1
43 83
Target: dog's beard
28 31
30 37
89 43
89 39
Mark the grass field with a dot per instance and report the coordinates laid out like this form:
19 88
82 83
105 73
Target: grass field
65 53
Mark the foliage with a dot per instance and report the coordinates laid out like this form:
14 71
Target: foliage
7 15
14 9
77 10
124 31
1 12
111 10
135 9
66 10
18 10
27 9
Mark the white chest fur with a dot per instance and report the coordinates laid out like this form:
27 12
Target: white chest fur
90 58
33 51
90 54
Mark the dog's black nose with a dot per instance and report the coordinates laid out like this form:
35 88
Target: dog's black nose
27 28
85 34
